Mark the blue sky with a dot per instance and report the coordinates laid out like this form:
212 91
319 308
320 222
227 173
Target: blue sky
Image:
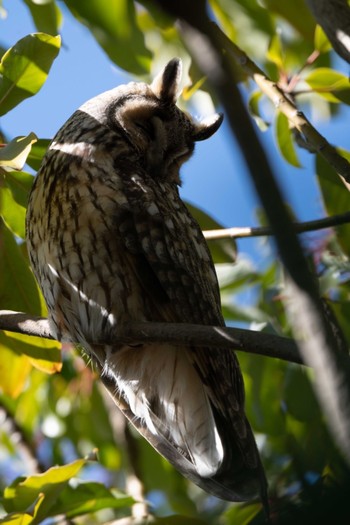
215 179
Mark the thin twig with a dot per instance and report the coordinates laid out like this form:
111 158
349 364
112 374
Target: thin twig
300 227
297 118
259 343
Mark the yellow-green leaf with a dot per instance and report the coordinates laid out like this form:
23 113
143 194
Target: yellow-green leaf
322 44
12 213
285 140
330 84
23 492
43 354
17 518
24 68
14 369
275 52
15 153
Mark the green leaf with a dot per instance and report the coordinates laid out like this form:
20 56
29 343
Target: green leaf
13 200
16 518
14 369
336 197
89 497
113 24
24 68
23 492
46 16
253 106
222 250
20 184
275 52
18 288
15 153
322 44
37 153
13 214
285 140
330 84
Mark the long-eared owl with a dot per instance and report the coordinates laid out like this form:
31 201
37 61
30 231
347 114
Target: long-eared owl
110 241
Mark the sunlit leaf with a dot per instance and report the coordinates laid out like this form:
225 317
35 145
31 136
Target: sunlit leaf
24 68
12 213
43 354
14 369
17 518
330 84
285 140
322 44
15 153
275 52
113 24
23 492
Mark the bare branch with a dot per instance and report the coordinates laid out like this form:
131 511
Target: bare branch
249 341
301 227
296 117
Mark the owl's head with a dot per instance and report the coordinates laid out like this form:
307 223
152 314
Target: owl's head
161 134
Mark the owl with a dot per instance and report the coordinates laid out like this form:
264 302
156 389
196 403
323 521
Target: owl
110 242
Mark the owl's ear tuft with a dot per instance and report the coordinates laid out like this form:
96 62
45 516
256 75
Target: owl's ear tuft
166 84
207 127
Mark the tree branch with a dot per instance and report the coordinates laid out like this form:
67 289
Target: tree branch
213 53
299 227
258 343
284 104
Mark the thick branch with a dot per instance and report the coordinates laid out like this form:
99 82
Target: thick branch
249 341
299 227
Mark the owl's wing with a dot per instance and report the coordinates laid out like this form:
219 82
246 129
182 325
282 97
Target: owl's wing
168 254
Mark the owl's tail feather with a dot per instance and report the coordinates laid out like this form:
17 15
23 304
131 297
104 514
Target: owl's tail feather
192 435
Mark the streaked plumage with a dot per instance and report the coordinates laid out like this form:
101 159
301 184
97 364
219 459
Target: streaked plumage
110 241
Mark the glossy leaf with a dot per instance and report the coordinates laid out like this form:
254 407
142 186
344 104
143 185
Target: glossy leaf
14 154
285 140
113 24
24 68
